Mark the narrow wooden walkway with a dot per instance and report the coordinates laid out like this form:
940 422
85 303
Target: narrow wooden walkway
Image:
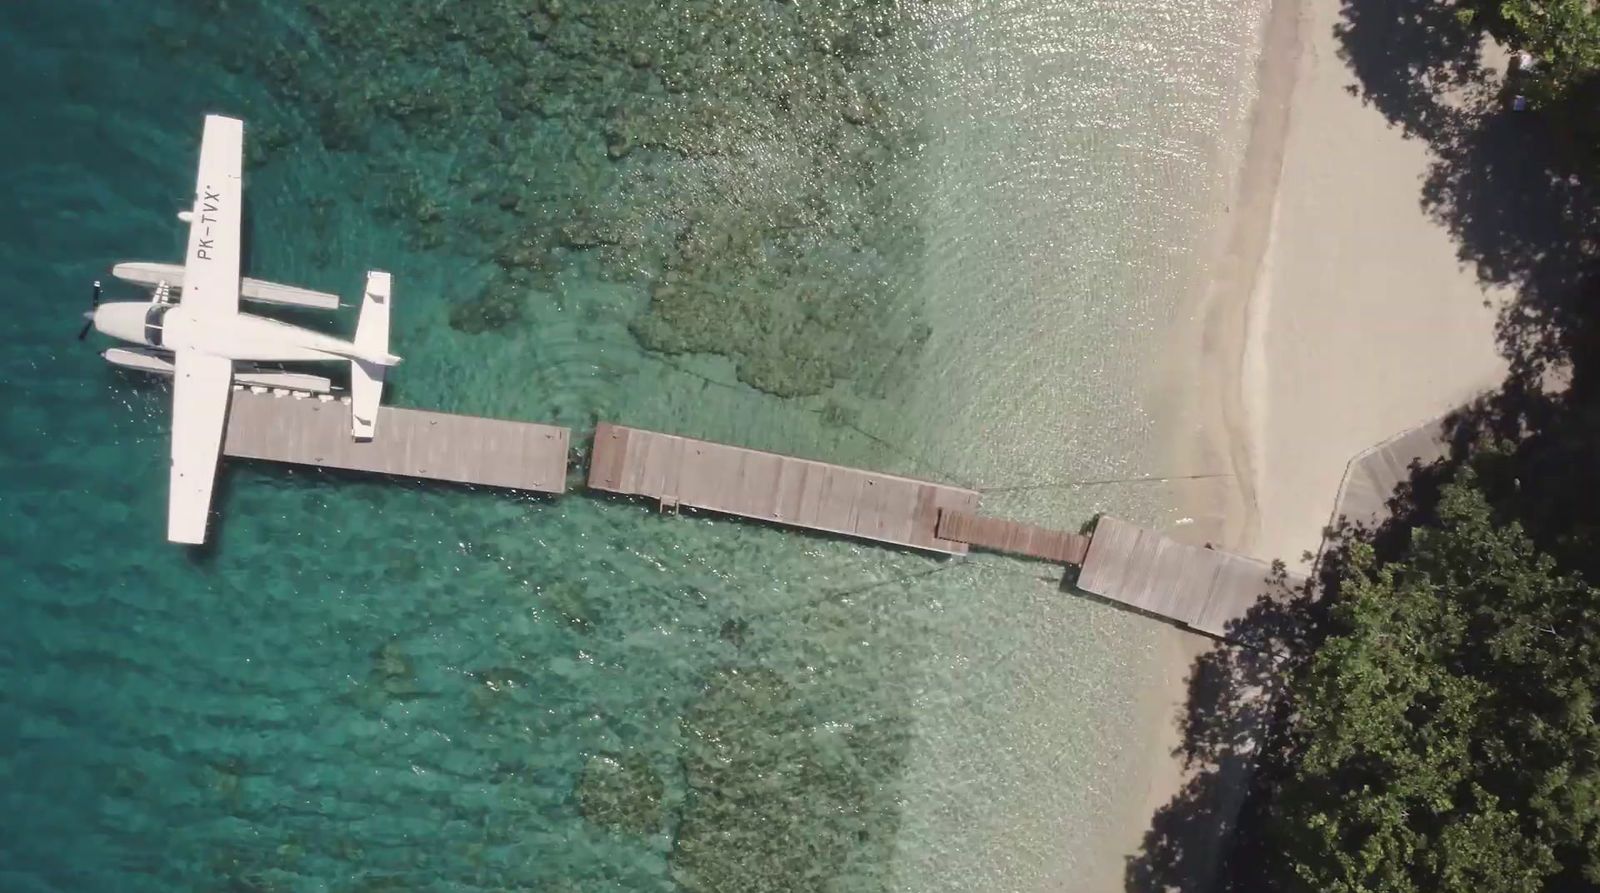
998 535
1203 589
679 471
304 430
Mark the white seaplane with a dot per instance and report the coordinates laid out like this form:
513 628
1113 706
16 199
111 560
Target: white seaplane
192 330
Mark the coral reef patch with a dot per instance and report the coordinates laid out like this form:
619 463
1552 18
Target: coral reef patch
621 793
780 797
754 169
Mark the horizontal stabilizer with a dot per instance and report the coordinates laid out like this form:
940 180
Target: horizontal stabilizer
372 341
258 290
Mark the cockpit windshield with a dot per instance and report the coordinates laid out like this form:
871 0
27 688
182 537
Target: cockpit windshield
152 323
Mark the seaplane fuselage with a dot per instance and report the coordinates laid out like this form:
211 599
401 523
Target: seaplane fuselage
235 336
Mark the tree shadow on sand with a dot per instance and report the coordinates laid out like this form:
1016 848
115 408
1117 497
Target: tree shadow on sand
1235 742
1499 182
1234 692
1506 185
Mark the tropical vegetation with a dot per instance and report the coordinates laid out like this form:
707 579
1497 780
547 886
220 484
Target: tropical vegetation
1439 721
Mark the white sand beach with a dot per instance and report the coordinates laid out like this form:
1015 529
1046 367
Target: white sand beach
1363 322
1338 316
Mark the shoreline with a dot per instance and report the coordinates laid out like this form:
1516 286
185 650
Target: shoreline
1336 314
1237 296
1214 350
1234 297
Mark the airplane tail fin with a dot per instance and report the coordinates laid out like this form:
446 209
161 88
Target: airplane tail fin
367 371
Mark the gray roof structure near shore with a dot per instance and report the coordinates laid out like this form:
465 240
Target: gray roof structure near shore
1371 477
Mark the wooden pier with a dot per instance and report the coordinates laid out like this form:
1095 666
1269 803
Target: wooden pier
679 471
999 535
1203 589
1199 588
303 430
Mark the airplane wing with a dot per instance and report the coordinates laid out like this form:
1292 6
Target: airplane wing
151 274
211 266
200 394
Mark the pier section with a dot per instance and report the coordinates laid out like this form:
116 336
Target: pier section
303 430
1015 537
1203 589
680 471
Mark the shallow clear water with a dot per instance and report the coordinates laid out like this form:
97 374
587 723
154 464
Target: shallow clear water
944 239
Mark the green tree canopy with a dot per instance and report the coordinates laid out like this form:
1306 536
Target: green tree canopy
1445 735
1563 36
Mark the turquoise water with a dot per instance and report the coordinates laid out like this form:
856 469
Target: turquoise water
934 238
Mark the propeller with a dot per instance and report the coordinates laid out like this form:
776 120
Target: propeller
94 301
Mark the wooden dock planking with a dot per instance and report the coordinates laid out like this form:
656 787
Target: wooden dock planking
1015 537
1203 589
607 466
770 487
890 513
410 443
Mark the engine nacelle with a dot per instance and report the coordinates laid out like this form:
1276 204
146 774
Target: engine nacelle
136 321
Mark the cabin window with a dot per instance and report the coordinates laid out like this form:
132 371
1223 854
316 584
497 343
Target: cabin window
152 323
